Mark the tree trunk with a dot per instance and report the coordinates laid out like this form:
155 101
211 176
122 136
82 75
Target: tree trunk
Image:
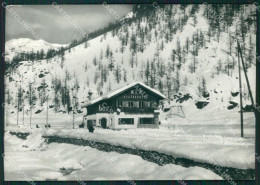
23 113
17 107
47 111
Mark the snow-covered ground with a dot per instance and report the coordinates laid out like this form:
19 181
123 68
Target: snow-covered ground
203 136
215 149
69 162
210 135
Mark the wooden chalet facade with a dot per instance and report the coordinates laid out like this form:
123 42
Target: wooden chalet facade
133 106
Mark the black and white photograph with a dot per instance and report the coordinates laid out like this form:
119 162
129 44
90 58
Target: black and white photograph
97 92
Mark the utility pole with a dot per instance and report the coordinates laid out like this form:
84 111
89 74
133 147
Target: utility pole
23 102
247 81
23 112
17 107
30 102
47 110
73 108
6 111
19 98
6 114
240 94
248 85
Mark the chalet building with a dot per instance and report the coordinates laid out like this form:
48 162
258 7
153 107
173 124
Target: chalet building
133 106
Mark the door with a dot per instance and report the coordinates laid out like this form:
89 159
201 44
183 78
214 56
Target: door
104 123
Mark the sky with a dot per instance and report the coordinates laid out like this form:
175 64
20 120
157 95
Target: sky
59 23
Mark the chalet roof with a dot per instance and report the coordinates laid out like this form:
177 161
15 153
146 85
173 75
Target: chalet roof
120 90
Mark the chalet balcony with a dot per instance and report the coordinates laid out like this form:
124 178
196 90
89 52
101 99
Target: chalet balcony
137 110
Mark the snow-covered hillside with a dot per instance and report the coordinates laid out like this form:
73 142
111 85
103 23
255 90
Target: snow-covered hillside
24 45
187 52
179 50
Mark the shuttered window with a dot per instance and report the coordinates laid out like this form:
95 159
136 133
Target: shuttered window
130 104
125 104
141 104
136 104
119 103
146 104
153 104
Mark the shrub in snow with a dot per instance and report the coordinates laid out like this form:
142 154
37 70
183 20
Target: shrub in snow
41 75
248 108
201 104
234 94
232 105
47 126
166 109
38 111
81 125
79 111
205 94
183 98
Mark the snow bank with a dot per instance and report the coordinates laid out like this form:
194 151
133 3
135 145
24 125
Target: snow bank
217 150
70 162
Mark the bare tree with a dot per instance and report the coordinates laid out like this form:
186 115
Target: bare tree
118 74
19 101
219 66
32 99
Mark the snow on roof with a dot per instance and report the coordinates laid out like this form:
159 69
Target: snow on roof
115 92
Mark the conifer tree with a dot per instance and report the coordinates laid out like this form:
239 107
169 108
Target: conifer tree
118 74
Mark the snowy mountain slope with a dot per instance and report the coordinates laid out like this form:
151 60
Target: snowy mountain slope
23 45
153 49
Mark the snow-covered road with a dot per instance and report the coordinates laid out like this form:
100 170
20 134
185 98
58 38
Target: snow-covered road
69 162
224 151
158 158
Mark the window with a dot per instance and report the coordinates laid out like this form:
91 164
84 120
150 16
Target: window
130 104
126 121
146 120
141 104
119 104
136 104
153 104
125 104
146 104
